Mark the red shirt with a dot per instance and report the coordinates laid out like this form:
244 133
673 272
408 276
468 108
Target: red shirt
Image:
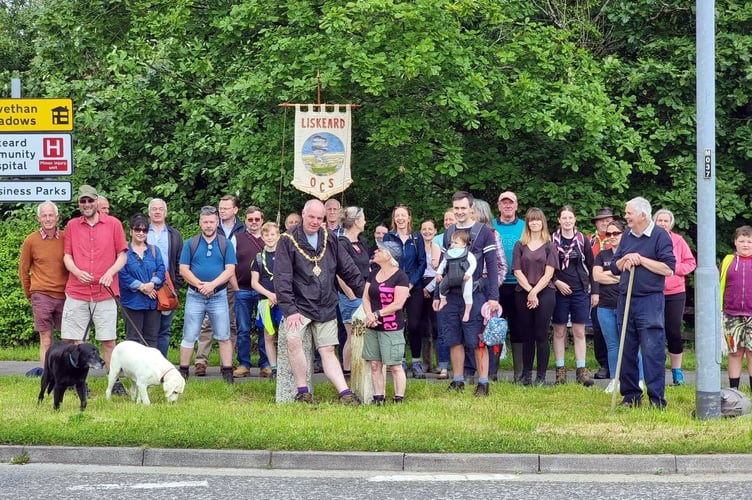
94 249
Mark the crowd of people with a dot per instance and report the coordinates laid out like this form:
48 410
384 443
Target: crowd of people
414 288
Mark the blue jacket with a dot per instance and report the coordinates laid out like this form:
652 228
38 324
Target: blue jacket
413 260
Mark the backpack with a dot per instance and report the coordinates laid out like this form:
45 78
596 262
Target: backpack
474 232
455 269
734 403
221 243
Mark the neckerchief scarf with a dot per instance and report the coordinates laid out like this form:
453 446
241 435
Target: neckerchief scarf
578 239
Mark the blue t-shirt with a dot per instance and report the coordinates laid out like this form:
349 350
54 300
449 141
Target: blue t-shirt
510 233
207 263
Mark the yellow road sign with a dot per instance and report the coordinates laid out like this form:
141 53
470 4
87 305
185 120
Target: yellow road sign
36 115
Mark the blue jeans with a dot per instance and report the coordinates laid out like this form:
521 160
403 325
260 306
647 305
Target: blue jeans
645 331
611 334
196 307
163 340
246 302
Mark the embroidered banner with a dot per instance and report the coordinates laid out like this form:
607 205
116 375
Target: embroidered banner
322 149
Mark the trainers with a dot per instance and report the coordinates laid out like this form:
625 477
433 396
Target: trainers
456 386
611 387
200 370
265 372
634 403
35 372
642 385
418 370
377 402
241 372
443 374
583 377
351 399
481 390
561 374
273 376
304 397
678 375
118 389
398 399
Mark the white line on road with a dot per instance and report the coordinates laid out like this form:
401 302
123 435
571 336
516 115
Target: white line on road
140 486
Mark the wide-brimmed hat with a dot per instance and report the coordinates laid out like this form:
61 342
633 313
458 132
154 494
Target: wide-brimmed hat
391 247
86 191
603 213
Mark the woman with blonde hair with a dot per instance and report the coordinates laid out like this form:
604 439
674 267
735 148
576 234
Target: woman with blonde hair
534 263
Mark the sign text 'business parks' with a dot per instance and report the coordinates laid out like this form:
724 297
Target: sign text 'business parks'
23 191
36 115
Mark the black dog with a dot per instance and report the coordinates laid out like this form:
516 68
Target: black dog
67 365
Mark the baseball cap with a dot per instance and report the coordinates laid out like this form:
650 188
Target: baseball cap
87 191
508 195
392 247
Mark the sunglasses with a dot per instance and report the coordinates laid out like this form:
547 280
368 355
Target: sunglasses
209 249
86 200
140 230
208 210
609 234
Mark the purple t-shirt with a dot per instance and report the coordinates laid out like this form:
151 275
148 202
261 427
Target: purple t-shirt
382 294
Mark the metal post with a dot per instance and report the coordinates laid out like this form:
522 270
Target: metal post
15 88
707 289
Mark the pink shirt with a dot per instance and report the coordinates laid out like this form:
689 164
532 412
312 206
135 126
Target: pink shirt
685 264
94 249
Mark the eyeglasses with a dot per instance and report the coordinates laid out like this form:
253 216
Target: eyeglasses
208 210
140 230
156 209
209 249
86 200
609 234
253 219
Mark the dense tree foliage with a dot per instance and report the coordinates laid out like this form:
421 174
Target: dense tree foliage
588 102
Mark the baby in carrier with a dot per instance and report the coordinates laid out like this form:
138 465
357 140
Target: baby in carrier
456 270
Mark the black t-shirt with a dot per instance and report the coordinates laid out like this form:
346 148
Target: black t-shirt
570 275
609 294
265 270
382 294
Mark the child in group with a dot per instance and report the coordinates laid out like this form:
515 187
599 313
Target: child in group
262 280
458 261
736 304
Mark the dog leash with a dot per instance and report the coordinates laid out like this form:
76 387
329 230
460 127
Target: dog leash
126 315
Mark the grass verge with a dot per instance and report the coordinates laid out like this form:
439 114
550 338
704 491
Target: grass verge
513 419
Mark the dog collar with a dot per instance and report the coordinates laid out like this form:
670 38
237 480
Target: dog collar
70 358
161 379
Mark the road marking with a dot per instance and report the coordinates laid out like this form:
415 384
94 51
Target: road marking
140 486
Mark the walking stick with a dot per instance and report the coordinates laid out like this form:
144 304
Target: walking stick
621 340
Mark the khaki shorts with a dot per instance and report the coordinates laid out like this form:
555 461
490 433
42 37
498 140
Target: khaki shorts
323 333
78 313
387 347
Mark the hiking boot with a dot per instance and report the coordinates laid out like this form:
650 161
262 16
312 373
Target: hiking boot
227 374
241 372
481 390
265 372
634 403
351 399
678 375
527 378
398 399
118 389
456 386
200 370
184 372
561 374
418 370
378 402
304 397
583 377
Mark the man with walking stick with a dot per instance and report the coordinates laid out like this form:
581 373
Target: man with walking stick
646 251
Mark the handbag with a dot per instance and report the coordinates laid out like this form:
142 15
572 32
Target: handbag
167 296
495 332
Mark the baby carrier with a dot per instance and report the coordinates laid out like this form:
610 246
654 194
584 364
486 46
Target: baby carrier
456 267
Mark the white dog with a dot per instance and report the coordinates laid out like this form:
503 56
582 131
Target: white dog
144 366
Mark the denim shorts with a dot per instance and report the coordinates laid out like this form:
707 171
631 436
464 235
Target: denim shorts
196 307
347 307
575 306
